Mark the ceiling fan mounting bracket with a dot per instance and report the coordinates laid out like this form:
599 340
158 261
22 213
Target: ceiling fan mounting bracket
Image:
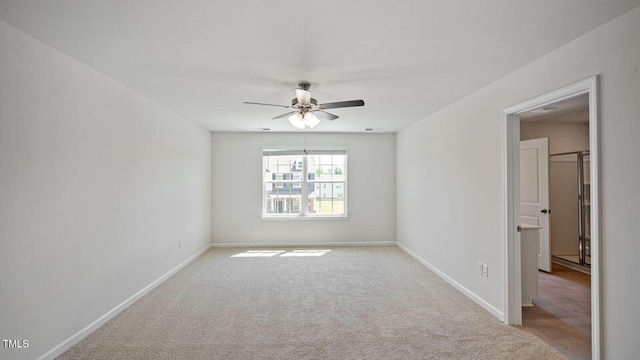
304 85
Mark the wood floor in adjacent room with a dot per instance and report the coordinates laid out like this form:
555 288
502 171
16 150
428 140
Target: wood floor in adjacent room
562 312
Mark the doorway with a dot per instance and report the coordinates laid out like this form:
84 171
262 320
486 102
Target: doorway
558 308
512 235
563 127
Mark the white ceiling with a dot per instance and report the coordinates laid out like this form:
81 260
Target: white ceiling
406 59
574 109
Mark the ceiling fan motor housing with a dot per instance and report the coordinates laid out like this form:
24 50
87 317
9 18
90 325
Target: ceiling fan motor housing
312 101
313 104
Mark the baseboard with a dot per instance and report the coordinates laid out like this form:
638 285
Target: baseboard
468 293
305 244
65 345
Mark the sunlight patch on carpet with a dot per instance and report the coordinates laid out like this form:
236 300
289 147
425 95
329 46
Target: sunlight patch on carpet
280 253
305 253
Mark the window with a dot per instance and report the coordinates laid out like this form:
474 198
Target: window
297 177
295 207
279 177
304 183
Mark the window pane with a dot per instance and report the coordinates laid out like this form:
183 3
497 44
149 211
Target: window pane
338 173
327 167
281 200
329 198
282 165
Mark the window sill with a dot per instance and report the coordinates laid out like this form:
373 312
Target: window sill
305 217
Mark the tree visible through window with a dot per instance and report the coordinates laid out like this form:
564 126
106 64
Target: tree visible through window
304 182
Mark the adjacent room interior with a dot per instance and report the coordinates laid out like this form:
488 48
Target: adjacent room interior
146 146
560 309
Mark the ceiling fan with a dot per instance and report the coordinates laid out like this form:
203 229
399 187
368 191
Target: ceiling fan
308 112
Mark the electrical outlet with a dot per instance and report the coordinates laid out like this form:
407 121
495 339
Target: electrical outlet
485 270
380 227
252 227
479 267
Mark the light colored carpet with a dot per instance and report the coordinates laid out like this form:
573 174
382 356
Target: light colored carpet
347 303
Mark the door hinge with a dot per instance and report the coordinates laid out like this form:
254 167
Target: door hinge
519 228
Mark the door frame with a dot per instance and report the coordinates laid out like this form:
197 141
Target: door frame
511 203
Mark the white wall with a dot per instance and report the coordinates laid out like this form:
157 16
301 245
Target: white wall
237 190
452 161
96 186
563 136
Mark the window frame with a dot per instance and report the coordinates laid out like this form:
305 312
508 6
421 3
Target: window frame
305 153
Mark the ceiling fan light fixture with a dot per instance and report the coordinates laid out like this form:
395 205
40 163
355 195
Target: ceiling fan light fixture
296 120
302 121
311 120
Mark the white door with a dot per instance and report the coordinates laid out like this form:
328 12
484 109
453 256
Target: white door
534 193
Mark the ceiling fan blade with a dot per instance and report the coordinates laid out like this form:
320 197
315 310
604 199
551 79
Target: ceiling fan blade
323 115
304 96
285 115
341 104
255 103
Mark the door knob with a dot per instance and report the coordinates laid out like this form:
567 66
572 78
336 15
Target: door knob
544 211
